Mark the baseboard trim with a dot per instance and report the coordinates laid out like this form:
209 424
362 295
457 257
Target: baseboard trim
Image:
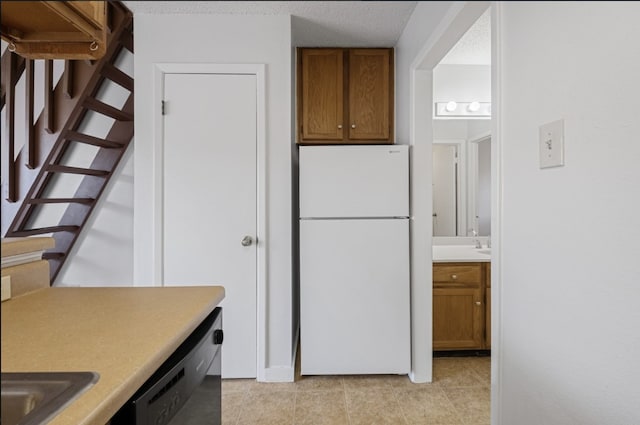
279 374
284 373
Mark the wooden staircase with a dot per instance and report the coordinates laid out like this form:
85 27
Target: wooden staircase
30 177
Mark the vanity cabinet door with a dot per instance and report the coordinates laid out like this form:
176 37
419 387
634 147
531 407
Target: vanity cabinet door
458 318
459 313
487 302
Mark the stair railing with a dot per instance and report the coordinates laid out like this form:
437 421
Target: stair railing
32 172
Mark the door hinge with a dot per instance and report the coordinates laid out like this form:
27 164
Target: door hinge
162 107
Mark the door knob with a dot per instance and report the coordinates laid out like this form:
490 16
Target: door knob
353 126
247 240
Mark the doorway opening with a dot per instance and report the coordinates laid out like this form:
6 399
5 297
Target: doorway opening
424 131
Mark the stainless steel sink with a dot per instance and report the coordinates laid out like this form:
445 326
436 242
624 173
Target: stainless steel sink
32 398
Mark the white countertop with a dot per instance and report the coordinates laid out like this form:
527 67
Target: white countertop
460 254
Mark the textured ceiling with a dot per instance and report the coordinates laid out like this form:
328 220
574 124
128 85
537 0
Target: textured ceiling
314 23
474 48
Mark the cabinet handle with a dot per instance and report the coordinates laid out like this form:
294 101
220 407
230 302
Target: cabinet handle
478 303
353 126
339 126
454 276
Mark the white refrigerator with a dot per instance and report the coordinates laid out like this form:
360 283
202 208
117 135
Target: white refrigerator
354 260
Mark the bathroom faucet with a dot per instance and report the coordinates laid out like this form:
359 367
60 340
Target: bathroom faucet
476 241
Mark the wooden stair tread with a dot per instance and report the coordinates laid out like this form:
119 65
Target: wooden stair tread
92 140
117 76
108 110
53 255
77 170
61 200
45 230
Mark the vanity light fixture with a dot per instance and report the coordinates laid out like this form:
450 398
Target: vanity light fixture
473 106
462 110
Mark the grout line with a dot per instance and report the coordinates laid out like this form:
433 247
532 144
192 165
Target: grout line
346 404
395 395
242 403
295 403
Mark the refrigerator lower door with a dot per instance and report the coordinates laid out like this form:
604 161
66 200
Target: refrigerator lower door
354 296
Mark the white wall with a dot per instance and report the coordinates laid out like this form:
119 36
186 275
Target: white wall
422 23
103 253
570 235
224 39
462 83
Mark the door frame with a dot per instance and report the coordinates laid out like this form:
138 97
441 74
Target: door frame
458 19
462 182
472 166
259 70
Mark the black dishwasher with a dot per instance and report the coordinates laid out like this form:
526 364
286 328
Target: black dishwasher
186 389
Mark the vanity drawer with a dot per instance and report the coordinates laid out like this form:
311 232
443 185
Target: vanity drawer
457 273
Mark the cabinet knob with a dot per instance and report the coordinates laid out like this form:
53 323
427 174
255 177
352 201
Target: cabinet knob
339 126
478 303
454 276
353 126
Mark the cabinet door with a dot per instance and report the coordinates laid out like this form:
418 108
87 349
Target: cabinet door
487 302
487 324
458 318
322 94
369 94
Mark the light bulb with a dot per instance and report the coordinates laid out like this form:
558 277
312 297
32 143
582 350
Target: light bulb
473 106
451 106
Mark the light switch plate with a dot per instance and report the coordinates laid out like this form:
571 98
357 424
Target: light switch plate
552 144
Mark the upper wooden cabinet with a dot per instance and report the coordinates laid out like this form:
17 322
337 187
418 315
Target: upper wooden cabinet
55 29
345 96
322 94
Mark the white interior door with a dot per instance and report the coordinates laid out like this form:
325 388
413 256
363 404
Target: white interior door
445 193
210 202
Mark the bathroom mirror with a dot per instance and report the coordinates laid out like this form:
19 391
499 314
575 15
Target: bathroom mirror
462 185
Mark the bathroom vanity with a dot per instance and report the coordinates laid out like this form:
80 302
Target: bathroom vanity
461 298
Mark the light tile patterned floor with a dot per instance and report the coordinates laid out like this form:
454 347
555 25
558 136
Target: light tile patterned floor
459 395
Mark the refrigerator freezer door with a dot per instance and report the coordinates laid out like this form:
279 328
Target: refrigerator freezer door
354 297
354 181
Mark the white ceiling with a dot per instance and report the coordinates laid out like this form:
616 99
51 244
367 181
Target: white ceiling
474 48
314 23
